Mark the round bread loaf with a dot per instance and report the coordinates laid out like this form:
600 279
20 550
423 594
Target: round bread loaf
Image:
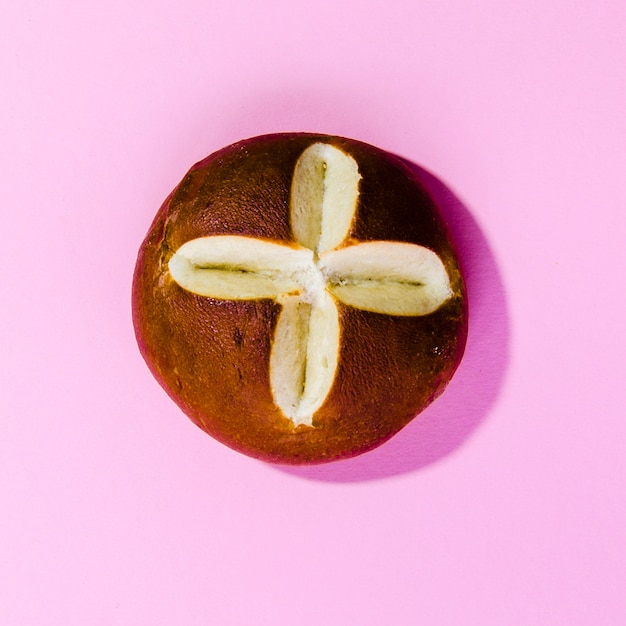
299 298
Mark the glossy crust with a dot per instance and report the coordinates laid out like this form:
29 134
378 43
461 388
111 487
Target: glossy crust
212 356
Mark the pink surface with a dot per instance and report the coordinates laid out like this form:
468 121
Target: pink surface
503 504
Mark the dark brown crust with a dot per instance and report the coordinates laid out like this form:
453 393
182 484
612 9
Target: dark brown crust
212 356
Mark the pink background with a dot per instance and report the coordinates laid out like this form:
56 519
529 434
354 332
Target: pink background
503 504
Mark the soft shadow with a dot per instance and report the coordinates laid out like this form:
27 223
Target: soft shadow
287 108
447 424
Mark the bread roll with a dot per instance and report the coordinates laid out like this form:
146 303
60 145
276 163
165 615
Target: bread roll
299 298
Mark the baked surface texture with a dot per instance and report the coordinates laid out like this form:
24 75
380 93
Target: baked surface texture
212 356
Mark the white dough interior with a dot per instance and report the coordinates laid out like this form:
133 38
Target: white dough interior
304 356
324 195
231 267
387 277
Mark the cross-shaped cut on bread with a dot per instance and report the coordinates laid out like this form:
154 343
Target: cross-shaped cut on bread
309 276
